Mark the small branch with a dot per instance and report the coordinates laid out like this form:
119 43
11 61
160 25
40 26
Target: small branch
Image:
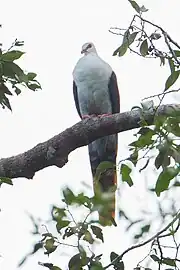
160 94
147 241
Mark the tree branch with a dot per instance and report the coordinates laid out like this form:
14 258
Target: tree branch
55 151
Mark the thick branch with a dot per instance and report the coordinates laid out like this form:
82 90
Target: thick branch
56 150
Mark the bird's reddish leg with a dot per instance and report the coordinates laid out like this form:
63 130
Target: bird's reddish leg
88 116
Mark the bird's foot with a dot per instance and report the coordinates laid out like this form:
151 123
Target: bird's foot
88 116
104 114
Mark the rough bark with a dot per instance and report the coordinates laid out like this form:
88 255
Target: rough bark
55 151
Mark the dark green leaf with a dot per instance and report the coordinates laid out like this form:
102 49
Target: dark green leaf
33 86
130 38
169 261
103 167
144 48
171 79
97 231
121 50
61 224
76 263
118 263
4 89
55 268
171 65
88 237
125 172
162 59
155 258
49 246
127 41
145 228
134 157
5 101
37 246
163 158
69 231
17 90
6 180
11 56
31 76
164 179
135 6
177 53
12 70
68 196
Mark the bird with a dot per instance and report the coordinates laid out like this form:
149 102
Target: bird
96 94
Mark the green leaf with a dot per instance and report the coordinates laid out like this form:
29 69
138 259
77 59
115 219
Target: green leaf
118 264
169 261
155 258
31 76
162 59
131 37
121 50
177 53
6 180
11 70
103 167
145 228
125 172
11 56
17 90
171 79
33 86
61 224
97 231
5 101
37 246
4 89
135 6
127 41
171 65
69 196
55 268
49 246
77 261
144 48
164 179
88 237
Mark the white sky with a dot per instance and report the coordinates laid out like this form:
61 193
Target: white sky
53 32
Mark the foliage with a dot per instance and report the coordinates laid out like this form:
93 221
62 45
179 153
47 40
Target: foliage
12 78
157 146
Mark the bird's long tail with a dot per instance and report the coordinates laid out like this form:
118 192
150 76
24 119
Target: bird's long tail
102 153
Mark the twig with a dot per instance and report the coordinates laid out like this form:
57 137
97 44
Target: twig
147 241
160 94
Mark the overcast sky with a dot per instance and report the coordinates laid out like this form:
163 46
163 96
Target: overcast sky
53 32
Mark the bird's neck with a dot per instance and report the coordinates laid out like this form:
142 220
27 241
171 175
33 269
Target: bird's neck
91 53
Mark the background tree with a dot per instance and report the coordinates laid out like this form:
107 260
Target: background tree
155 147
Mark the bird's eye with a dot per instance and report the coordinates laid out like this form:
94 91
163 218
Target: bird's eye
89 46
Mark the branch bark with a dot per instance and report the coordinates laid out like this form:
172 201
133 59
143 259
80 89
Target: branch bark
55 151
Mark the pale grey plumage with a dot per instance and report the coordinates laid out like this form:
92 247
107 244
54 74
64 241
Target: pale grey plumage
91 74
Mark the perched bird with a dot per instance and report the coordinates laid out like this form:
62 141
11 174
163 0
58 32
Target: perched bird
96 93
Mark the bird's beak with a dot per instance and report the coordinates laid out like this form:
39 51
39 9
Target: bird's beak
83 51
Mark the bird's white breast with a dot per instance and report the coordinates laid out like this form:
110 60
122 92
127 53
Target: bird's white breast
91 75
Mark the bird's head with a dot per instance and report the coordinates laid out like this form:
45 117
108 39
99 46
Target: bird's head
88 47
